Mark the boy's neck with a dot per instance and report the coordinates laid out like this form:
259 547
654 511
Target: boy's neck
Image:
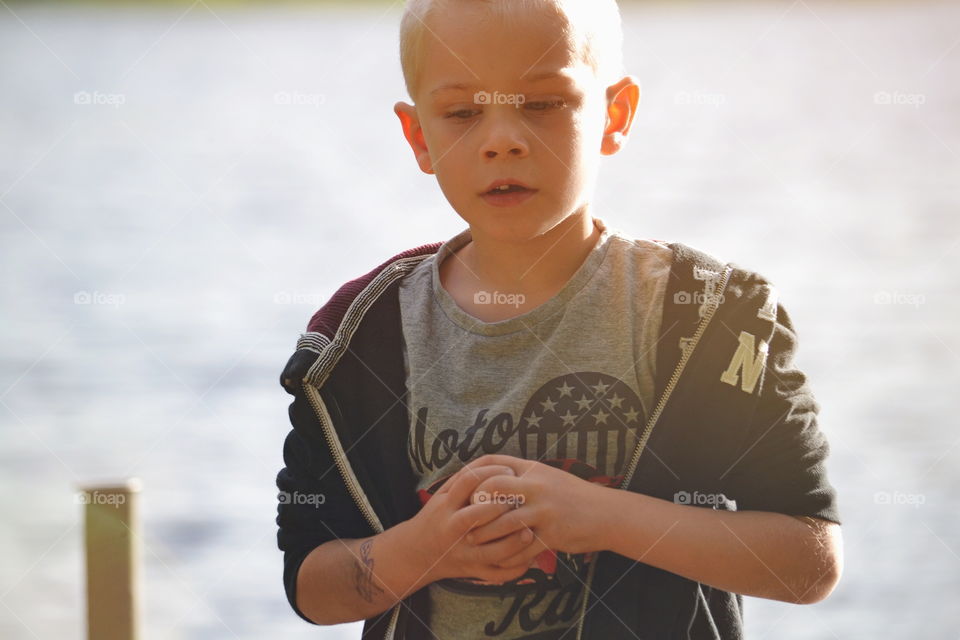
544 263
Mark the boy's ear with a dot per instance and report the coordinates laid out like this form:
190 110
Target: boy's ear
622 100
413 132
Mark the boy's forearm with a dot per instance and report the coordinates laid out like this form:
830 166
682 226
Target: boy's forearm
755 553
353 579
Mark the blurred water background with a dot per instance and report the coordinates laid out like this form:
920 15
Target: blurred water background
181 186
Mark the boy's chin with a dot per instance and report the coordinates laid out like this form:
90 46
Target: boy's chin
513 224
509 226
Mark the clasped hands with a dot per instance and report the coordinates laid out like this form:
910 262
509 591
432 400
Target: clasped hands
491 518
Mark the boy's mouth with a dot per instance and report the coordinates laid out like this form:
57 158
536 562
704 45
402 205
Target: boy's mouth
506 185
507 188
507 192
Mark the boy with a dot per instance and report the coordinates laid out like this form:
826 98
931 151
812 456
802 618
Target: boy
543 428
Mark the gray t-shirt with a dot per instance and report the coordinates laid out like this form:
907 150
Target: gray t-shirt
569 383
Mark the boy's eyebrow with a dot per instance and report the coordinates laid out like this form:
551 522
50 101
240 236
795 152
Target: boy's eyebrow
460 86
456 86
547 75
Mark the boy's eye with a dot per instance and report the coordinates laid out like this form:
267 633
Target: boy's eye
460 114
538 106
545 105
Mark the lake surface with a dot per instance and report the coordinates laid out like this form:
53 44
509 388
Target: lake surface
181 187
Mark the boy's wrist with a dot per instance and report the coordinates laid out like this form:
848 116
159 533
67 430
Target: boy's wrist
621 515
412 555
607 518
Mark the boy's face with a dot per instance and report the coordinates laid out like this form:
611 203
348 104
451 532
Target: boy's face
547 133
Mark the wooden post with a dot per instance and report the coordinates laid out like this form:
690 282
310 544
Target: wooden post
112 545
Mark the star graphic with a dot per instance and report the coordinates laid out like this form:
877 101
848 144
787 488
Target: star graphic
600 416
548 404
568 418
631 415
615 401
583 403
600 387
533 420
565 389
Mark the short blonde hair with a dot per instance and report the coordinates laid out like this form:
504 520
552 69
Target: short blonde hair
594 23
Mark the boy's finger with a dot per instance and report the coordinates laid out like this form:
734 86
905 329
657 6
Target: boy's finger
505 488
454 477
523 558
526 556
476 515
496 528
468 480
494 458
512 551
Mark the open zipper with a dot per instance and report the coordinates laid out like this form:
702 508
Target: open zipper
350 480
642 442
340 458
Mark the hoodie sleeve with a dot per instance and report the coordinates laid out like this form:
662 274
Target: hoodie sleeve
314 505
780 465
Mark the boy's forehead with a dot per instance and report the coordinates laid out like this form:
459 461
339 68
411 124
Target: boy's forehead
462 50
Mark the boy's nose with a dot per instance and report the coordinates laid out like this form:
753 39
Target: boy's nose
514 151
505 140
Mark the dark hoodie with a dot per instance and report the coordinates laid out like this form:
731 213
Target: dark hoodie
732 416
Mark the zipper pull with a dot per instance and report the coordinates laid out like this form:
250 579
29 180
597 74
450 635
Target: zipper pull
568 568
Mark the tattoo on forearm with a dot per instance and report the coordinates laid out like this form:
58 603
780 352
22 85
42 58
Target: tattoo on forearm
364 573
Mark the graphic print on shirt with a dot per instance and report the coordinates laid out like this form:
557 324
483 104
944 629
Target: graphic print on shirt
585 423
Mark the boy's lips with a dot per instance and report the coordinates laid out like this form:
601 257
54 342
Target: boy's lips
507 192
508 182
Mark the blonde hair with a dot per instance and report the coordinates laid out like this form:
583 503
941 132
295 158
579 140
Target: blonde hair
595 24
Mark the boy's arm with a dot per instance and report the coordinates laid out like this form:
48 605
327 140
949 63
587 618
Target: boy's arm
314 512
353 579
784 541
755 553
333 571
